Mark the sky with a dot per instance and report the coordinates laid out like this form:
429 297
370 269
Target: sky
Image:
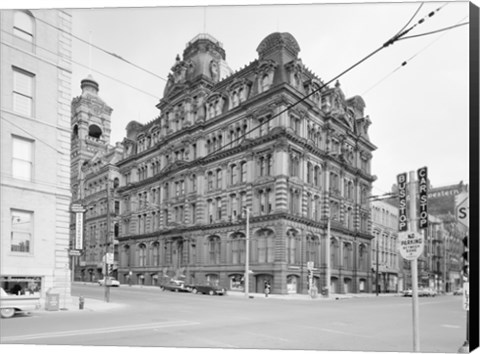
419 111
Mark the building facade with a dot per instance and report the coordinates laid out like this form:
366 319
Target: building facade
35 151
93 177
226 144
440 265
385 252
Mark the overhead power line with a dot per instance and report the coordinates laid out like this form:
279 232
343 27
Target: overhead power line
436 31
85 66
389 42
405 62
102 50
415 14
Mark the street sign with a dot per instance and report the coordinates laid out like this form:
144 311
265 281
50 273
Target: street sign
422 174
310 265
79 230
462 212
108 258
466 296
402 201
74 252
411 244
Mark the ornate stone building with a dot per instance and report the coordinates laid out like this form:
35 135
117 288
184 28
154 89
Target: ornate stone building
228 142
93 169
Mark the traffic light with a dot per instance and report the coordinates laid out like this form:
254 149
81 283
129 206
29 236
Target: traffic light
465 256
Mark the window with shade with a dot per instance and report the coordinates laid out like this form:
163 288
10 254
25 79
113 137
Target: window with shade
22 158
23 88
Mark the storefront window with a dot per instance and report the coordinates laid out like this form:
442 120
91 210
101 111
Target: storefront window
212 279
21 285
236 283
292 284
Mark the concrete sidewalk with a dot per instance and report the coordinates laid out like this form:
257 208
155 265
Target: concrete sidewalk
90 305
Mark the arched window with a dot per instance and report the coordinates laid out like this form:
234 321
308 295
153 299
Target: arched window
293 248
23 25
309 172
155 254
237 246
362 257
213 249
313 250
265 246
210 181
243 172
94 131
219 178
334 253
235 99
265 82
233 174
142 255
347 255
316 176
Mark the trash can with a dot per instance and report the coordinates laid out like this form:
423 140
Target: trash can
52 302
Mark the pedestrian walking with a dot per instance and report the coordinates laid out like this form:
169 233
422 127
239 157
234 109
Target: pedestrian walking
267 288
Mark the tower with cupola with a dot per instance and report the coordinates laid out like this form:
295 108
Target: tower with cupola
90 124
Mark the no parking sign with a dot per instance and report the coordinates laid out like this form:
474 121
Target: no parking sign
411 244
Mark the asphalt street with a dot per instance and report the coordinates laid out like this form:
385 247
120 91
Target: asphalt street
148 317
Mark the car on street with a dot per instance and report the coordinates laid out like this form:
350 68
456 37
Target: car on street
427 292
422 292
11 304
175 285
111 281
458 292
208 289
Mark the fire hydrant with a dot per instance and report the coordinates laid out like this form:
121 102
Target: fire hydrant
81 302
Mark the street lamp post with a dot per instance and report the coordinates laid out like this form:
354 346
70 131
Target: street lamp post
247 252
107 240
376 261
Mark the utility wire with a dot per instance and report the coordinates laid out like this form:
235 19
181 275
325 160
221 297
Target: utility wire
101 49
32 135
84 66
391 41
404 63
415 14
436 31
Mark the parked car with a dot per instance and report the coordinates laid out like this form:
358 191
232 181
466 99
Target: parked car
111 281
427 292
408 292
458 292
175 285
12 304
208 289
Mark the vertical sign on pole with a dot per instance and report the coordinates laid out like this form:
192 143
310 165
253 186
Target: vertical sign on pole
422 197
79 231
402 198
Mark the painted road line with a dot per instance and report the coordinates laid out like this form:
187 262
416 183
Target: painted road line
93 331
343 333
257 334
450 326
